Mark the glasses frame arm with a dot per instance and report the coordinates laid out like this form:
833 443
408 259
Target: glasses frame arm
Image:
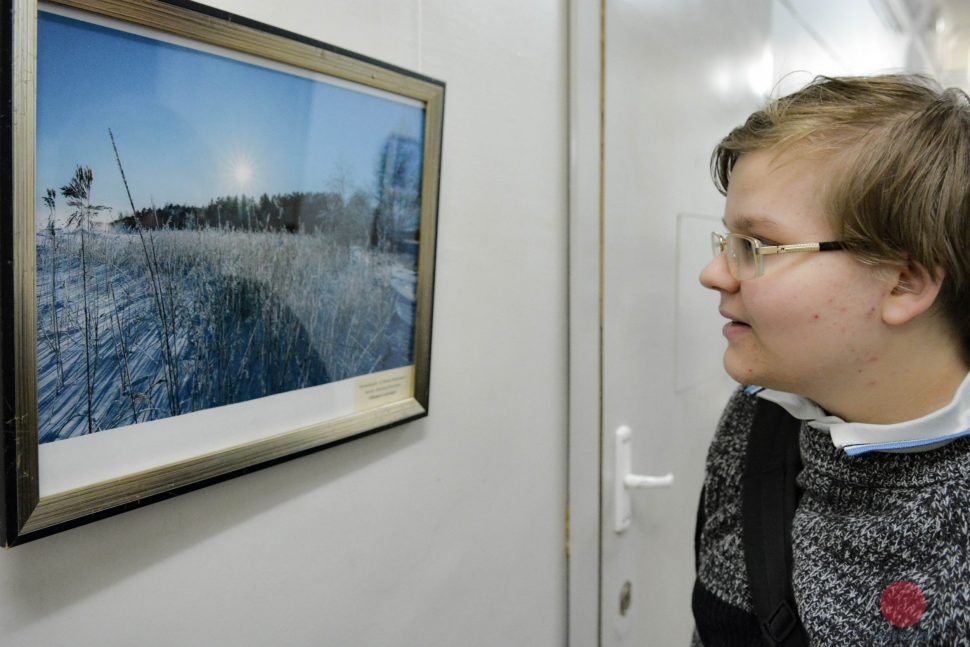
765 250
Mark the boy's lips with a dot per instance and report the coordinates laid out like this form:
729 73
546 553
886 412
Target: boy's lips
735 327
732 319
734 330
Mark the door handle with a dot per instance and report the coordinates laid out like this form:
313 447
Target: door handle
624 480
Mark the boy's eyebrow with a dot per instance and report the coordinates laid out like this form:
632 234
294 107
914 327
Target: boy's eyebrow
747 223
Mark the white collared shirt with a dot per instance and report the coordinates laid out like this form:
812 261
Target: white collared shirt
922 434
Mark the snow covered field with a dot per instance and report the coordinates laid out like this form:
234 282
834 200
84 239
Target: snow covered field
176 321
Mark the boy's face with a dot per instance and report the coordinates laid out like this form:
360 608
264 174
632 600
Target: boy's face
812 323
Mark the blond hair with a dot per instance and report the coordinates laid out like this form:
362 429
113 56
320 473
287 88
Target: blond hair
899 183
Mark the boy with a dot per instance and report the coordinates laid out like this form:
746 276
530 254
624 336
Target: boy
845 279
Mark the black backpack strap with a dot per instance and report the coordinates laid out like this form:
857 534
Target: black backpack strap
698 529
769 496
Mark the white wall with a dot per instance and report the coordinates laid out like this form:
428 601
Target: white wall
444 532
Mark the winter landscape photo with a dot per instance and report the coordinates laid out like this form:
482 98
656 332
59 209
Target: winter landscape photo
210 230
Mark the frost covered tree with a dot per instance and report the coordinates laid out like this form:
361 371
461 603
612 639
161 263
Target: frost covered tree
78 195
55 336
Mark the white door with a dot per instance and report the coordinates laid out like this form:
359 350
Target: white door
656 83
671 79
679 76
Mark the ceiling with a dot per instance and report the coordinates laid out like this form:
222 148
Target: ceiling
943 27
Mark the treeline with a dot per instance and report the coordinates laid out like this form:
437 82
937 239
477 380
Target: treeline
322 212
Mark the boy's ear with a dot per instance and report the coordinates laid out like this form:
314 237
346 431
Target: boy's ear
914 292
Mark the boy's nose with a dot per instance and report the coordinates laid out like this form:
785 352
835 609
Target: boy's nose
717 276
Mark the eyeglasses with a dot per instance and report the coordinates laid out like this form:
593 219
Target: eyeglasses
746 255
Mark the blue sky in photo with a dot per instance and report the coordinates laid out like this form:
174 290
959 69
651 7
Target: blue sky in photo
192 126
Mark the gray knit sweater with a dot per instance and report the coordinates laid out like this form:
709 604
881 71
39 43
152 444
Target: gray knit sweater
880 541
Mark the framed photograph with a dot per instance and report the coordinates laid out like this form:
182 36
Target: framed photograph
217 244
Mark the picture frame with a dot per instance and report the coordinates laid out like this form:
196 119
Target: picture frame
217 251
